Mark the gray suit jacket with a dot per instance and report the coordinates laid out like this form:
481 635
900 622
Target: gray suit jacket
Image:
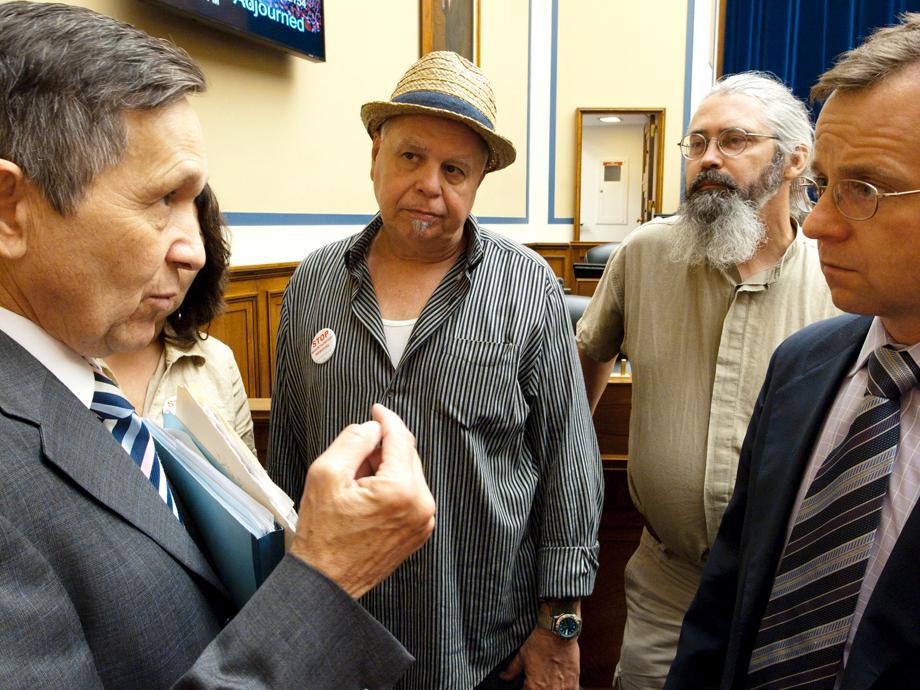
101 586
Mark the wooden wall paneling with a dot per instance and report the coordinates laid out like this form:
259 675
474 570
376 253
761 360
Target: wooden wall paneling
585 286
559 257
261 414
621 526
237 327
559 264
611 417
604 612
252 339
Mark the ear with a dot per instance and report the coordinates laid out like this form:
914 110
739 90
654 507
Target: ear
13 185
796 162
375 149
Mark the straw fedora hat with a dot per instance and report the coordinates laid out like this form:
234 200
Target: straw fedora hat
445 84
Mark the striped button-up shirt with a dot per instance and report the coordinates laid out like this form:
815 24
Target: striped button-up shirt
491 387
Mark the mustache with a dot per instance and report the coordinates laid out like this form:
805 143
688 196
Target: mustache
712 176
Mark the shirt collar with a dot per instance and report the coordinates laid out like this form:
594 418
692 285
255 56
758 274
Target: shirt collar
770 275
878 337
361 243
67 366
172 353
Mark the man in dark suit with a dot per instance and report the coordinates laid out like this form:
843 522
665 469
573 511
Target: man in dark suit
812 581
101 158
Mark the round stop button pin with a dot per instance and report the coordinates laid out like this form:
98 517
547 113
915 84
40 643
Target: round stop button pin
322 346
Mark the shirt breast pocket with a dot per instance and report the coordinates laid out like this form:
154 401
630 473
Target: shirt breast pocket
481 387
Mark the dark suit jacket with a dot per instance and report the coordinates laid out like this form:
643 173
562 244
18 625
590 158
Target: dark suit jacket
719 629
101 586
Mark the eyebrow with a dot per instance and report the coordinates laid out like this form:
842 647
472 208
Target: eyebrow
189 175
860 171
854 172
412 142
464 161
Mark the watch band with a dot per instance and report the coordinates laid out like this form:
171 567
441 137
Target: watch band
545 619
559 617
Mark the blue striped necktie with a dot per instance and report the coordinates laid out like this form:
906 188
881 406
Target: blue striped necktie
803 632
119 417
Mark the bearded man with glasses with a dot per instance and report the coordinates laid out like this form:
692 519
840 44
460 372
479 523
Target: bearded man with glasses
812 581
697 303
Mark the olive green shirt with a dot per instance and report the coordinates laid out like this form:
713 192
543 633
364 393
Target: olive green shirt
699 341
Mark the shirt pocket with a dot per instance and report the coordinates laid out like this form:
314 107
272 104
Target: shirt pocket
481 386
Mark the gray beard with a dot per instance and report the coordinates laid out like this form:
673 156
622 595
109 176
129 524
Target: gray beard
723 227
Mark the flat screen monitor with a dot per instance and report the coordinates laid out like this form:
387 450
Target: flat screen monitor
293 25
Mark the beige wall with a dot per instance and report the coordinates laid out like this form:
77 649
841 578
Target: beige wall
619 55
283 132
503 57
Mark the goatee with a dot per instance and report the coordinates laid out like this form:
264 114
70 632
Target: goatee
420 226
722 226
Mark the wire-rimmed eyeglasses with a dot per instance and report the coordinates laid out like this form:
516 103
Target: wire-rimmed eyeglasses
855 199
731 142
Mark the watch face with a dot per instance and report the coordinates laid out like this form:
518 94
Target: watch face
568 626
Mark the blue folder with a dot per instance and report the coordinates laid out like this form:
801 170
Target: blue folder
242 552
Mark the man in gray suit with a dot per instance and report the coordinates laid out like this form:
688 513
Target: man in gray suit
101 158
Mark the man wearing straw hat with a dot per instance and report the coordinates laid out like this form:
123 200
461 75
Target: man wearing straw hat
465 335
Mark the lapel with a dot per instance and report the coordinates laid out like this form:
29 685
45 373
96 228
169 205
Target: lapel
79 446
787 430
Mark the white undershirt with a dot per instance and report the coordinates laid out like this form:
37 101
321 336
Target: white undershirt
69 367
397 334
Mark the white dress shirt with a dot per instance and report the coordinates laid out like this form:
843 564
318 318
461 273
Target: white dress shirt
70 368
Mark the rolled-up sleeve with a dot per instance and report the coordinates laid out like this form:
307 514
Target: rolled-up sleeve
564 444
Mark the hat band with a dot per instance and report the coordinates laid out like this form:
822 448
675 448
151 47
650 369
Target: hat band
443 101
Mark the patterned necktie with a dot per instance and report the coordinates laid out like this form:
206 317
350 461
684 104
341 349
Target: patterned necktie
803 632
119 417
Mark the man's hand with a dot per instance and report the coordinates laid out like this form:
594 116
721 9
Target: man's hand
547 661
366 506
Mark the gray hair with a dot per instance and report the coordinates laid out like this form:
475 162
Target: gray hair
67 74
886 51
784 114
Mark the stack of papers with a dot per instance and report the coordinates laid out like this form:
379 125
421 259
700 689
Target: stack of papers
233 457
245 521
